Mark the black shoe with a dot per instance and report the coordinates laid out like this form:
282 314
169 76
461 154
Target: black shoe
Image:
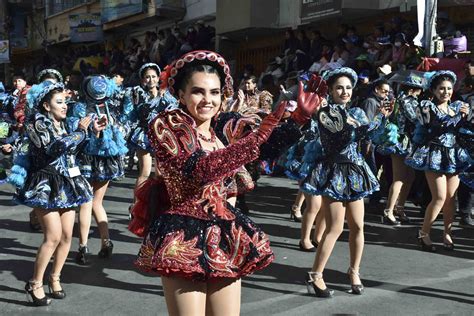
357 289
325 293
466 221
315 243
424 246
448 245
302 248
83 255
55 294
294 210
106 251
388 221
403 218
30 287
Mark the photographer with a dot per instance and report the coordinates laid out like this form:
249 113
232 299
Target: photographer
380 96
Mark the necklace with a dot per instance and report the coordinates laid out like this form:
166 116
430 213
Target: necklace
212 139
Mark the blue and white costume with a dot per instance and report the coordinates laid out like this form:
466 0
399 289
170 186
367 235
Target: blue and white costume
46 170
146 109
101 158
341 172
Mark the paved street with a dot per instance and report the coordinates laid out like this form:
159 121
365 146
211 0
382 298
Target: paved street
399 278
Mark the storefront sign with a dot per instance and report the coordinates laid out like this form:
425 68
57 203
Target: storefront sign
4 52
117 9
85 27
312 10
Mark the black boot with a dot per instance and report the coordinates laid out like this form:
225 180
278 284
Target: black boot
83 255
106 251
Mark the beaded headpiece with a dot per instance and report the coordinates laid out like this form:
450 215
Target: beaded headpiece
141 72
49 71
439 73
174 72
38 91
349 72
98 88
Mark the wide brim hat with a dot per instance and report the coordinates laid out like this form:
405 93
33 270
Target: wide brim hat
146 66
173 73
349 72
49 71
385 69
39 91
98 88
439 73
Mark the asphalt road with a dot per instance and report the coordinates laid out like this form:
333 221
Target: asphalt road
399 278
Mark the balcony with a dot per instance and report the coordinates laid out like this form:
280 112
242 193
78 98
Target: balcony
57 6
174 9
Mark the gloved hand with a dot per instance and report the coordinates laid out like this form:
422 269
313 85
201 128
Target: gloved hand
269 122
310 100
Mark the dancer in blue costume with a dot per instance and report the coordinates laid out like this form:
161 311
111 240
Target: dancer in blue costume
342 176
403 126
149 101
438 154
300 160
101 160
50 182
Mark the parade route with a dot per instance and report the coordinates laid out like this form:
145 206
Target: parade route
399 278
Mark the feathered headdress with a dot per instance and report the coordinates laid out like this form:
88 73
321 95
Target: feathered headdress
38 91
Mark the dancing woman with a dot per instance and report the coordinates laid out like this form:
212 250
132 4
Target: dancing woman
149 101
403 175
199 244
54 185
438 154
101 160
341 176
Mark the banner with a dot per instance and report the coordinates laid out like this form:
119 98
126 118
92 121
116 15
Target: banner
117 9
312 10
85 27
4 52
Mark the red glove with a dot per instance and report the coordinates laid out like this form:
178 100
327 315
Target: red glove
269 123
309 101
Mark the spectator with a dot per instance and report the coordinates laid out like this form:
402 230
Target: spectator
385 51
304 44
291 42
444 27
203 36
399 52
316 45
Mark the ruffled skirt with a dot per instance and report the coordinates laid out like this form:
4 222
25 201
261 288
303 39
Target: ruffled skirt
47 189
341 181
437 158
196 249
139 139
98 168
401 148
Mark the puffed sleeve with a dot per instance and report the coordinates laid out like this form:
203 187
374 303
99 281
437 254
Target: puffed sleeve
408 108
367 129
174 140
41 133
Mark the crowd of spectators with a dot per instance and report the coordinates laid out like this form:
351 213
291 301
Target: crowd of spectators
387 48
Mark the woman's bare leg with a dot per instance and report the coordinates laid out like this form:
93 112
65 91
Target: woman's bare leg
184 297
223 297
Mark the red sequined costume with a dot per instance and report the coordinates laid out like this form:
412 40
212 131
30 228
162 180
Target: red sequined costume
194 233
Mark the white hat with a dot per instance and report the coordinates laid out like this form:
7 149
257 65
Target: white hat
385 69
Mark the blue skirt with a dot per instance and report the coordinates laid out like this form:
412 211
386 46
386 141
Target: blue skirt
402 148
139 139
98 168
341 181
49 190
437 158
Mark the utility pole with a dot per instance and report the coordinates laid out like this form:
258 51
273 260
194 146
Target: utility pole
430 26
